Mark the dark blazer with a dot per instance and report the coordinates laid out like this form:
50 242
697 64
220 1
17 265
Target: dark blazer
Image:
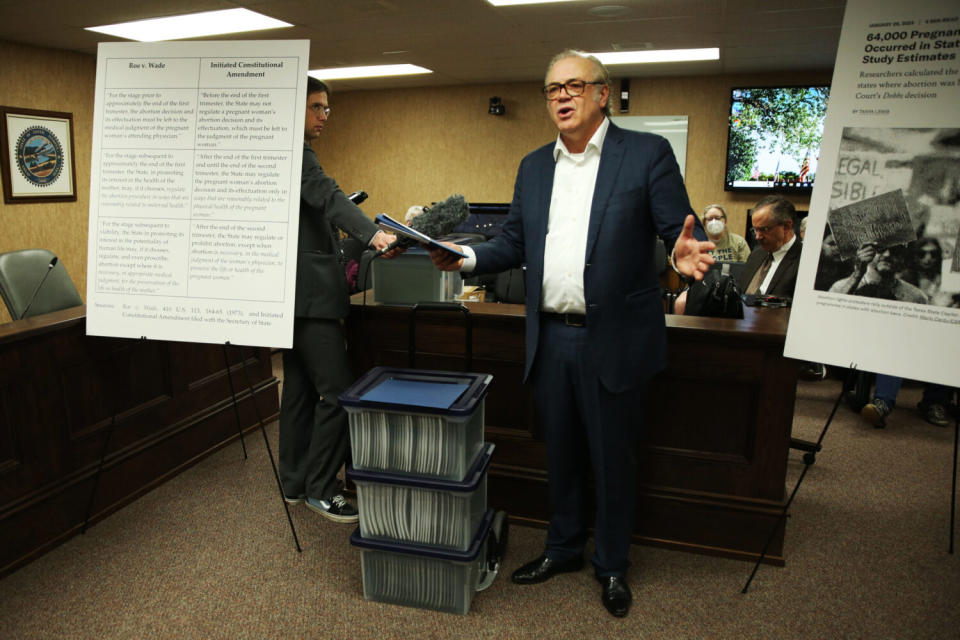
639 193
784 279
322 290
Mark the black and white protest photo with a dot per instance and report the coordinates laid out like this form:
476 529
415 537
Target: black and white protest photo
894 217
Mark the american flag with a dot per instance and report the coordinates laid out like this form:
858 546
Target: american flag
804 168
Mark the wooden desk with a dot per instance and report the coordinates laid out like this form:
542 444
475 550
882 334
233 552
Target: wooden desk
58 391
715 447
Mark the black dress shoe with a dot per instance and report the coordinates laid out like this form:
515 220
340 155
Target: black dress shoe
616 595
543 568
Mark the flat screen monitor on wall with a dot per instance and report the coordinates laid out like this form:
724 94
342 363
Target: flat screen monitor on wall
773 138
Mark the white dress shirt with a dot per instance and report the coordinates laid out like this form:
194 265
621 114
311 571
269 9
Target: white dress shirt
777 259
574 181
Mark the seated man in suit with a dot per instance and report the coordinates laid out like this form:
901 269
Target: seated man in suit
772 267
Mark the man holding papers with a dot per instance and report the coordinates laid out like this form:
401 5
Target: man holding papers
314 437
585 213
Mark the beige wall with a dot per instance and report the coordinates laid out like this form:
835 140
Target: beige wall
404 147
415 146
50 80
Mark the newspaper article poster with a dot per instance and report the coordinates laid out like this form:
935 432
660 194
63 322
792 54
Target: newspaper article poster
879 283
195 191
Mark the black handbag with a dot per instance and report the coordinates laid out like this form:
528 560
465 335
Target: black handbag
716 296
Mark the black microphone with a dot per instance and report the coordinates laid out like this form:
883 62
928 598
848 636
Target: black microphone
357 197
438 220
50 267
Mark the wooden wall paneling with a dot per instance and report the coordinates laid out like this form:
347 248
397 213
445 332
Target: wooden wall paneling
167 422
34 408
713 462
19 408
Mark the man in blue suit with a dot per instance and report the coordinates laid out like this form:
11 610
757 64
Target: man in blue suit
585 214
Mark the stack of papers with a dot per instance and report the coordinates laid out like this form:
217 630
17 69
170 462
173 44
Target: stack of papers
414 581
407 443
389 225
414 514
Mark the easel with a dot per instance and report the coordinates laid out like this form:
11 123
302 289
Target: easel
953 476
808 461
253 397
263 432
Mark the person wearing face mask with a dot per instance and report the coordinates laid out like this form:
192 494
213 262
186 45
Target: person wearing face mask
730 246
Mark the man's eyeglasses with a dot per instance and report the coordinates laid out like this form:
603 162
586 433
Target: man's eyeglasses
766 229
574 88
318 108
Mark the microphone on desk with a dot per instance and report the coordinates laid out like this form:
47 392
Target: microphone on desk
50 267
438 220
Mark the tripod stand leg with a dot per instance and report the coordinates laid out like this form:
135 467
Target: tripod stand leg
780 520
783 515
96 477
233 395
266 441
953 489
106 441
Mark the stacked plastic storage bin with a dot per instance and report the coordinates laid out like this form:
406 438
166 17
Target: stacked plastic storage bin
420 468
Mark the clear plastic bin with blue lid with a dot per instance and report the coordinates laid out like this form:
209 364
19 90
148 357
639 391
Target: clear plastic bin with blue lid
411 277
428 577
416 422
427 511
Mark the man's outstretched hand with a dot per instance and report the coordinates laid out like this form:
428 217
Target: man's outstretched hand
691 257
444 260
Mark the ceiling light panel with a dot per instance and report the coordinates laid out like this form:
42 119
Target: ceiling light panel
382 70
511 3
194 25
658 55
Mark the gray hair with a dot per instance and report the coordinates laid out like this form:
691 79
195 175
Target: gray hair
602 74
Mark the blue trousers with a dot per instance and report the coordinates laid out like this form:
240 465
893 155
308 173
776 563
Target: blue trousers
585 426
888 387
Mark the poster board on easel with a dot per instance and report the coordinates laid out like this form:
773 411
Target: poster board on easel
890 153
195 190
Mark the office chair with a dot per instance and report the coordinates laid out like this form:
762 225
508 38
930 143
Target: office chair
363 272
809 448
509 286
34 281
353 249
670 284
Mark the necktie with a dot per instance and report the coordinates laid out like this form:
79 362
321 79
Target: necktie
758 277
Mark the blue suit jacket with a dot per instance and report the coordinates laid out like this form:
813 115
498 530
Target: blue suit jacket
639 194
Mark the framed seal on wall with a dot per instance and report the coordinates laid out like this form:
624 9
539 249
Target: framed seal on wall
37 158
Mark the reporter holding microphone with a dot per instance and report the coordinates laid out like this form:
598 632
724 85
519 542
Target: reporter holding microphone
314 436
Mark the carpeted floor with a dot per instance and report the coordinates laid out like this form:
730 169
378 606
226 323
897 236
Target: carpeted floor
209 555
